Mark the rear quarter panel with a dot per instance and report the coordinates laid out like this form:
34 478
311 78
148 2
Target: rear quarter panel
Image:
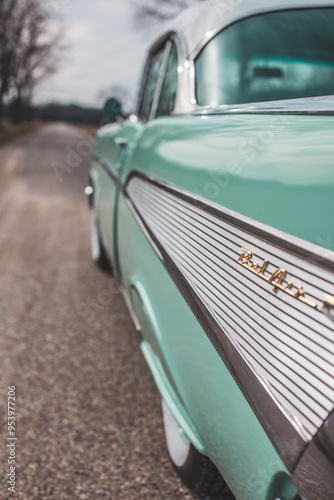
228 428
276 169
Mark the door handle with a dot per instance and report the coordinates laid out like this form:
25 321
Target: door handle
121 142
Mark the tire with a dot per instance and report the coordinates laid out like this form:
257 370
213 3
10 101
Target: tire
196 470
97 251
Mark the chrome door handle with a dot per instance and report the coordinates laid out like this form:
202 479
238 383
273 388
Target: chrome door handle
121 142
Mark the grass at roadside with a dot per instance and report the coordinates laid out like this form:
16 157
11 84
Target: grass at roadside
8 131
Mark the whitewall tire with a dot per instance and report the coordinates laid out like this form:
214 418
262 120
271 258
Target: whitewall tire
196 470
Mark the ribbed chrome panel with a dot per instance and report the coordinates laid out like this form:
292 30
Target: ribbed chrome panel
287 343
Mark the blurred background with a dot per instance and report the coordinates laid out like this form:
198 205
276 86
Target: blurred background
87 411
61 59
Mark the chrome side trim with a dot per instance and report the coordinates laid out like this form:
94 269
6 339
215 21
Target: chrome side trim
323 105
154 106
181 105
313 253
284 432
169 217
287 343
314 475
325 436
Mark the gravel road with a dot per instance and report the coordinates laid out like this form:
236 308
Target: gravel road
87 411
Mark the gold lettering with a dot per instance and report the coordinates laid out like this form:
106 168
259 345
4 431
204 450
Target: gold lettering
308 302
299 293
245 256
277 279
280 274
263 268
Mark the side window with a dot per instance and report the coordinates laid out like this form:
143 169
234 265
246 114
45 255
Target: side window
150 81
269 57
169 85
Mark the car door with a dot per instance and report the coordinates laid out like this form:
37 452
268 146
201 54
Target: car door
116 142
142 281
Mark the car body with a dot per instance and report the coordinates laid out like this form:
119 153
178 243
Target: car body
213 205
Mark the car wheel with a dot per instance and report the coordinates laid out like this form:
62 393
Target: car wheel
196 470
97 250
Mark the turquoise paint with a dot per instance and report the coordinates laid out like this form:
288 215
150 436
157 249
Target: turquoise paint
170 397
216 408
276 169
114 157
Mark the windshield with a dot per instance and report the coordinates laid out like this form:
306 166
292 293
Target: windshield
280 55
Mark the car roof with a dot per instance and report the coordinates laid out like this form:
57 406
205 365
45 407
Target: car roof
196 25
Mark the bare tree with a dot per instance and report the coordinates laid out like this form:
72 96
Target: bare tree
35 56
29 52
7 46
147 11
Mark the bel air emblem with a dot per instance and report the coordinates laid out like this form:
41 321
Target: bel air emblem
276 278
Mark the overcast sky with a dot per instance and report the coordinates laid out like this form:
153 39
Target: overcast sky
104 49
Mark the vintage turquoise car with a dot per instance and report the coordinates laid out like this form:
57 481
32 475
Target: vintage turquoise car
213 206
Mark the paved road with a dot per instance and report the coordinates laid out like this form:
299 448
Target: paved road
88 414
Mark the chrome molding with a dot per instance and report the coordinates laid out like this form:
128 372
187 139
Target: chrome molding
154 106
323 105
314 254
325 436
314 475
279 350
181 105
